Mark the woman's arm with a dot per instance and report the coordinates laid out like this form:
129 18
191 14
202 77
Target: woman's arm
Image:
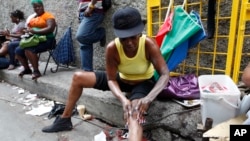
112 61
154 55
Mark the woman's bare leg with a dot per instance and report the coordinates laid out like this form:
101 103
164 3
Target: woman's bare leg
23 61
4 49
134 127
33 58
80 80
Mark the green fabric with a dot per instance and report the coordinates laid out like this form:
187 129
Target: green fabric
49 35
32 41
184 26
36 1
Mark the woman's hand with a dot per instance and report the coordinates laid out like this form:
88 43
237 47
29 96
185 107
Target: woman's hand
143 105
127 109
28 31
88 12
5 32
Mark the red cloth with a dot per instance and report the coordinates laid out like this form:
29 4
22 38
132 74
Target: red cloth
164 29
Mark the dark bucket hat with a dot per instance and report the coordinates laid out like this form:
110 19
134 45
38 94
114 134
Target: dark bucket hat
127 22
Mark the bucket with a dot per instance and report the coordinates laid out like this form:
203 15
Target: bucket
220 98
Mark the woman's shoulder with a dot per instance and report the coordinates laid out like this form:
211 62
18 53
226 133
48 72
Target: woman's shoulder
21 24
48 15
151 41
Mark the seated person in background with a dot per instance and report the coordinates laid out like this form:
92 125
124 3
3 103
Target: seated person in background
131 60
13 37
42 24
245 78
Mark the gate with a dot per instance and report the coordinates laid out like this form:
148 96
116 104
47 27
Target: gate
226 52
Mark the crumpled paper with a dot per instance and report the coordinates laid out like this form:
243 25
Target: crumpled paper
100 137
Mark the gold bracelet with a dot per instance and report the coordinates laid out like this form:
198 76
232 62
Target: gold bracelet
91 6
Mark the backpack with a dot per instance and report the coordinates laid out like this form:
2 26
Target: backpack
106 4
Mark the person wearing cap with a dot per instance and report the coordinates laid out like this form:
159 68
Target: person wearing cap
91 16
42 23
131 60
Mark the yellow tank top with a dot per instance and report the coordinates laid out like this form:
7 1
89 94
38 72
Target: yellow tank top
137 67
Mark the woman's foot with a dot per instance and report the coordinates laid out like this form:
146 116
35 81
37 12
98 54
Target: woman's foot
36 74
24 72
11 67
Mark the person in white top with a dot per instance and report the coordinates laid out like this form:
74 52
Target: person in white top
13 37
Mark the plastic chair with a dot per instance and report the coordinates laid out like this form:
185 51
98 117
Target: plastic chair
50 51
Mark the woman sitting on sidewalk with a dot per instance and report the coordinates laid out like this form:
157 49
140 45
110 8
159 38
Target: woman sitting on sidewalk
131 60
13 38
43 23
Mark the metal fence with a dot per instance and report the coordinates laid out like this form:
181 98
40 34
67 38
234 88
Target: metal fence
227 51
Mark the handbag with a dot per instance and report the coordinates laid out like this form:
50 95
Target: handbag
31 41
183 87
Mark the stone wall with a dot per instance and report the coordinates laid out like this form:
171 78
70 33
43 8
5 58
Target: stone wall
65 13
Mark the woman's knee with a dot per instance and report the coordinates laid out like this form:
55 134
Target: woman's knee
85 79
81 38
19 51
78 77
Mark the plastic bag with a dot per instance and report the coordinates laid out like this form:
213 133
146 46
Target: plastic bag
184 87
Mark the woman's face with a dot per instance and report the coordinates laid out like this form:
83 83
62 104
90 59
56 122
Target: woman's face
38 8
130 43
14 19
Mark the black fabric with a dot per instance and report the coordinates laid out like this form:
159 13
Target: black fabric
58 109
127 22
211 18
106 4
137 91
2 39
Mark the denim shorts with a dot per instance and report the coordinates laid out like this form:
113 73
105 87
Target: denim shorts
137 91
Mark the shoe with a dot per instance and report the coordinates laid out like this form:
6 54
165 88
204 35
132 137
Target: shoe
11 67
36 74
60 124
103 41
24 72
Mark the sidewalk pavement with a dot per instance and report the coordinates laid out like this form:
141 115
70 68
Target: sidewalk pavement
19 124
54 86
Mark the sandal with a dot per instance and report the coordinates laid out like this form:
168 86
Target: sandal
36 74
24 72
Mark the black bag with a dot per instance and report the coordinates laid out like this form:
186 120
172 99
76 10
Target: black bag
106 4
58 109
